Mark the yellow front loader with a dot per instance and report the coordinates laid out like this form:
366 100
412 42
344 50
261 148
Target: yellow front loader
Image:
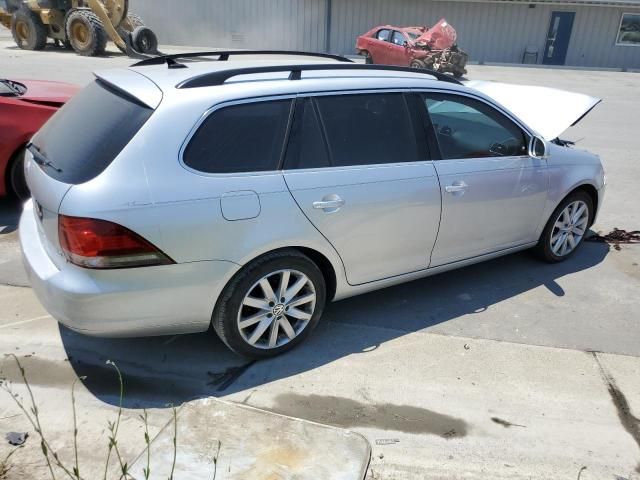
82 25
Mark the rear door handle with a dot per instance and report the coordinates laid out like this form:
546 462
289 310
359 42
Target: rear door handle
457 187
330 203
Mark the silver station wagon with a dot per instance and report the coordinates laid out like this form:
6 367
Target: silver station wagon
244 190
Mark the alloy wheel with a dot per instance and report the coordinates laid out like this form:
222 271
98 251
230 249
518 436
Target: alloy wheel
569 228
276 309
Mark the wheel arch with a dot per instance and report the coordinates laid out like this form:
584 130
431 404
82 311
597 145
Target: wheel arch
590 190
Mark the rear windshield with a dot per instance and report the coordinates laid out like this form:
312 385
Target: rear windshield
89 132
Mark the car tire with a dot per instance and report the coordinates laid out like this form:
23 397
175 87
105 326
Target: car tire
368 59
16 181
566 228
85 33
418 64
144 40
244 300
27 29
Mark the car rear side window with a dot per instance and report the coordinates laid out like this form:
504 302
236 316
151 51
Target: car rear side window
383 35
87 134
368 129
240 138
468 128
307 148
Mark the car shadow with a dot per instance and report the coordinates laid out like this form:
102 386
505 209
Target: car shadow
159 371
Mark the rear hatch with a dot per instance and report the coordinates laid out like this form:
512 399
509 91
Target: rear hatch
80 141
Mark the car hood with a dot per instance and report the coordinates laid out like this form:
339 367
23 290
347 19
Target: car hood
548 111
48 92
439 37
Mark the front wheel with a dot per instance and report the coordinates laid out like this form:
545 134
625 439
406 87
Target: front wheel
85 33
566 228
271 306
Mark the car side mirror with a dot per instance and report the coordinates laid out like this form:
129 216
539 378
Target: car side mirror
538 147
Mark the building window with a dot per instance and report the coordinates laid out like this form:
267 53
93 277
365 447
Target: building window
629 30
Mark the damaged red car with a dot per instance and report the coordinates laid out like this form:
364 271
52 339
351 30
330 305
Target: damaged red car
434 48
25 105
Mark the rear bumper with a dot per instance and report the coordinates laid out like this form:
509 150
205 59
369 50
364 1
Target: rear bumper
123 302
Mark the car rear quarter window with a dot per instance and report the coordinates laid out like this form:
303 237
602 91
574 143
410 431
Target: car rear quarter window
468 128
247 137
87 134
369 129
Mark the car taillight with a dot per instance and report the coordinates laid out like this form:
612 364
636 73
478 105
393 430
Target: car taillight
92 243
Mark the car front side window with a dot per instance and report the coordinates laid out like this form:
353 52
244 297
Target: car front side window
398 38
468 128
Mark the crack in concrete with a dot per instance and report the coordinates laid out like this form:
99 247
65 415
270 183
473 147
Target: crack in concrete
630 422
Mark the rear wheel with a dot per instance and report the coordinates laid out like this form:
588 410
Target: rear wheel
27 29
85 33
368 59
16 182
566 228
272 305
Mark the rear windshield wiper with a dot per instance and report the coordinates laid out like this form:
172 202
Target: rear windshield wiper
40 159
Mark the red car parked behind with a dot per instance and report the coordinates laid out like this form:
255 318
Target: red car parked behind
417 47
25 105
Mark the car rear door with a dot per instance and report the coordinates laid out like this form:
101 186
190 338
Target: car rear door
493 191
360 171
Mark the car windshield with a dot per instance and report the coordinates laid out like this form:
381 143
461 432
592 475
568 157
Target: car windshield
11 89
413 36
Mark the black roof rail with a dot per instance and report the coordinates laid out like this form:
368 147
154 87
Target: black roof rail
224 55
219 77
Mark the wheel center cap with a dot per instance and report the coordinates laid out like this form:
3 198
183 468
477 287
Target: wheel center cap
278 309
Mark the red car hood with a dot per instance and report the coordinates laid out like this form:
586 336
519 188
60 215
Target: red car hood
439 37
48 92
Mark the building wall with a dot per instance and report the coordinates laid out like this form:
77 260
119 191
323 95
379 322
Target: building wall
281 24
490 32
493 32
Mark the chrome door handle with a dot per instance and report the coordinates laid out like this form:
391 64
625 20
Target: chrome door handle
329 203
456 187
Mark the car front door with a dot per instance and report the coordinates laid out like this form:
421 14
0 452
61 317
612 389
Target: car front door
493 191
359 169
397 51
380 51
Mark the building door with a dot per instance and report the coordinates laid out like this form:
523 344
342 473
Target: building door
555 51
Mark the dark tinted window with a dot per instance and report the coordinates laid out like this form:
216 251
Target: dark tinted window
240 138
383 35
306 147
398 38
89 132
467 128
368 129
